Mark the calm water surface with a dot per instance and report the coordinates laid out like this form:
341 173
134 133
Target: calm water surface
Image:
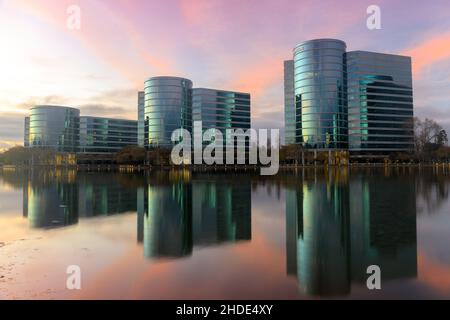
176 235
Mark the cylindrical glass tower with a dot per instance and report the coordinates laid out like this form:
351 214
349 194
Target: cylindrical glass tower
320 94
55 127
168 106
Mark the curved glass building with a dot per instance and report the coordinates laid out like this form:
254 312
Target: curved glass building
320 94
55 127
167 107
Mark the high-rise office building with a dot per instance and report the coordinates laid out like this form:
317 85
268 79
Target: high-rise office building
168 106
222 110
380 104
171 103
64 130
141 118
106 135
289 103
319 94
26 133
55 127
357 101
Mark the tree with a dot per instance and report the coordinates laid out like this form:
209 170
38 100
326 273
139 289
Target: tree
17 155
442 138
159 156
443 153
428 137
291 153
130 155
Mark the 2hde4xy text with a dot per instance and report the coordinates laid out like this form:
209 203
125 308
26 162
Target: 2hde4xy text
244 309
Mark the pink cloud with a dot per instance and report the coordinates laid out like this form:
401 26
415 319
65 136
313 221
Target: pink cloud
429 52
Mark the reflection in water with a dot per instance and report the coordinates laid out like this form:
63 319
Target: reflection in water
167 220
432 191
51 199
58 198
107 195
318 236
336 228
221 210
174 216
337 223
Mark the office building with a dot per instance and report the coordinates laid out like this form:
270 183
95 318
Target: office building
65 131
141 118
222 110
167 107
357 101
106 135
380 104
26 134
319 94
55 127
289 103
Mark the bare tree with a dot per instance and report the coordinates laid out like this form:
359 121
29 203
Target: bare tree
429 137
425 131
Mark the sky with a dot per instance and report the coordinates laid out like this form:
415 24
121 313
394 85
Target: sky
228 44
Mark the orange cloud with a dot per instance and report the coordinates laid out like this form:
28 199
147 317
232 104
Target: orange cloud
429 52
259 76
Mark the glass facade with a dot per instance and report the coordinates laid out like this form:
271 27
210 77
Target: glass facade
141 118
54 127
222 110
320 94
104 135
289 103
360 101
167 107
380 103
26 132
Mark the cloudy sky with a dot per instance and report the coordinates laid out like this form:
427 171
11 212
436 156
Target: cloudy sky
229 44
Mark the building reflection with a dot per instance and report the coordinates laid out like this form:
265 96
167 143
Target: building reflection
51 199
167 220
107 195
59 198
317 219
336 228
177 214
221 211
383 227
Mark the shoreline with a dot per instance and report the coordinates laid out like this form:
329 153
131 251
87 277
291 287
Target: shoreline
219 168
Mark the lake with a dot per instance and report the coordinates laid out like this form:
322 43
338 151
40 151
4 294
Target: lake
305 234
